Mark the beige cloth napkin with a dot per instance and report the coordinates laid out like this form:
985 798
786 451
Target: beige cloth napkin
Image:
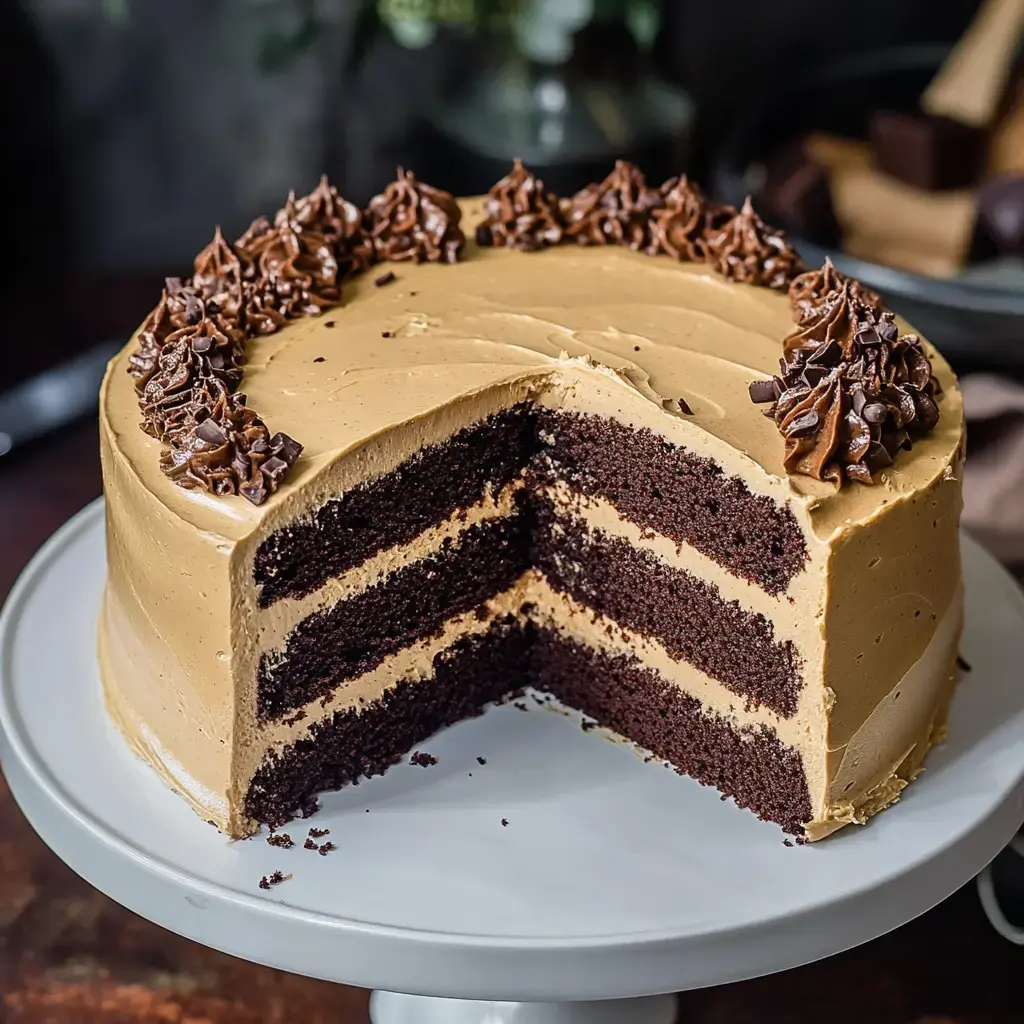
994 474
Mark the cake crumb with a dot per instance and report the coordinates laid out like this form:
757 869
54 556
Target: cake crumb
504 822
385 334
319 359
328 323
319 833
786 842
587 724
422 759
481 760
309 845
275 878
281 840
520 706
325 848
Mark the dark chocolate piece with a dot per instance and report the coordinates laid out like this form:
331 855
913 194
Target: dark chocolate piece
927 151
761 391
385 278
1000 205
798 194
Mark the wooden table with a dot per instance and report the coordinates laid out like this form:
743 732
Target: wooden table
69 955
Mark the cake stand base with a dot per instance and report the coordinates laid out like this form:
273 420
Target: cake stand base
533 868
395 1008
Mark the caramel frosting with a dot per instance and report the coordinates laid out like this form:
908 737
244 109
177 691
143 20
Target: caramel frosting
597 329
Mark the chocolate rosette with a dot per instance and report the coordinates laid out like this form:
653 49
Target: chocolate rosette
848 404
809 289
217 278
413 221
324 211
290 270
748 251
679 226
615 212
189 356
217 444
521 214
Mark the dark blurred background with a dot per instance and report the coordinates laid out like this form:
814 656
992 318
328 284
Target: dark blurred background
131 127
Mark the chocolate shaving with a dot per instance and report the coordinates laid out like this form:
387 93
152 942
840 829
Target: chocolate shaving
521 214
413 221
852 391
680 225
748 251
615 212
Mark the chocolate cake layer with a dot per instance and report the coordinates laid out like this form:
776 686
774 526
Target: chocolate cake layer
366 741
686 615
750 765
396 507
651 482
681 495
411 604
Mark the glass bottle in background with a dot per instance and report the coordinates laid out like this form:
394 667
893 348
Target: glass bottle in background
568 86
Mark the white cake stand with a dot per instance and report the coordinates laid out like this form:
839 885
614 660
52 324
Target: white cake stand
612 880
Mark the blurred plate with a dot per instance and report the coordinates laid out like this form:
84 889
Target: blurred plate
976 318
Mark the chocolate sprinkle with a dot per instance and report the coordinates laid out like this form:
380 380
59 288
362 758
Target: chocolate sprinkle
481 760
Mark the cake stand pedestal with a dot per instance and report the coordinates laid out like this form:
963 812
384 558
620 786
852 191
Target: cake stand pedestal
534 867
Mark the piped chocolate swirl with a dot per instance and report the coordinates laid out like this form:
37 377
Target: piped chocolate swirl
852 391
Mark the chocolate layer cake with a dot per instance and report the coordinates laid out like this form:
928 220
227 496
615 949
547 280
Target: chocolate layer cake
529 457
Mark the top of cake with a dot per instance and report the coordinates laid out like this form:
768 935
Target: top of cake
408 338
